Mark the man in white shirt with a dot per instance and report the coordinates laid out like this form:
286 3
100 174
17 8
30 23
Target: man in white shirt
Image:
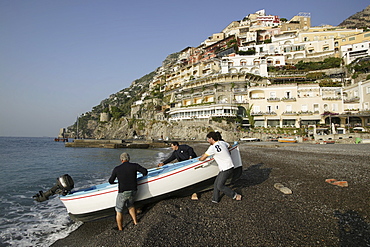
220 151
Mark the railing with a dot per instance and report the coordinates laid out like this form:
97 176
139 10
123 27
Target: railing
271 113
273 99
290 113
331 98
289 99
305 113
238 90
352 100
257 98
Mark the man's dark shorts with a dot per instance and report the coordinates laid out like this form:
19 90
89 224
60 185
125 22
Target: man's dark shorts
125 200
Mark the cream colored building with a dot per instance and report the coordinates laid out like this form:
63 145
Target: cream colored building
351 52
292 105
357 103
212 96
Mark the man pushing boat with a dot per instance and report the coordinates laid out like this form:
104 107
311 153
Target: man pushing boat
220 151
180 152
127 187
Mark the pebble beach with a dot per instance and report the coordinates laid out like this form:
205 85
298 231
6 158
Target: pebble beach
316 213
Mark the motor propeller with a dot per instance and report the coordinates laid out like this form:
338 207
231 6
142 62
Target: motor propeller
63 186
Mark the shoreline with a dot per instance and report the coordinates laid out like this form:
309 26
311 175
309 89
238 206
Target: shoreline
315 214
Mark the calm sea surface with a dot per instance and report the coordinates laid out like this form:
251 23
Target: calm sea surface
28 165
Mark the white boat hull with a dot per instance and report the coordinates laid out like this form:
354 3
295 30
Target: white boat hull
180 178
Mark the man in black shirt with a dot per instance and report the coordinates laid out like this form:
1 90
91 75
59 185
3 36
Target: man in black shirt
127 187
180 152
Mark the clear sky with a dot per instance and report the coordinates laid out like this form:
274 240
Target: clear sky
58 59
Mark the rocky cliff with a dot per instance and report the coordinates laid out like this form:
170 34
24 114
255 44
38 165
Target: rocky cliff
359 20
127 128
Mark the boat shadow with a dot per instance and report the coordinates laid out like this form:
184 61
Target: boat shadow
253 175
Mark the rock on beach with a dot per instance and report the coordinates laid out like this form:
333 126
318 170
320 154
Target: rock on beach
315 214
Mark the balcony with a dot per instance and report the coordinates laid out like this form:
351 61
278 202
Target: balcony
285 99
257 113
270 113
352 100
331 98
290 113
273 99
257 98
208 93
240 90
305 113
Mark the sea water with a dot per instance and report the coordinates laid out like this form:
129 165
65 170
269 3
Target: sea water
28 165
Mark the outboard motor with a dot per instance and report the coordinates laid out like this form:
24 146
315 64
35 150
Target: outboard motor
63 186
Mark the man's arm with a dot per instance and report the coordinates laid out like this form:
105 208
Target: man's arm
203 157
168 160
142 170
113 177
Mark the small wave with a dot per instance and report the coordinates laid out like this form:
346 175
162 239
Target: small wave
40 224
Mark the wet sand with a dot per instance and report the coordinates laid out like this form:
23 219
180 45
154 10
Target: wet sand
315 214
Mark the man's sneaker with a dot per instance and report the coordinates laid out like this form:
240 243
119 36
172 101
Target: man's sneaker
214 201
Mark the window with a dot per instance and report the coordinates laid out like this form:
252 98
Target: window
256 108
269 108
288 108
304 108
272 94
335 107
316 107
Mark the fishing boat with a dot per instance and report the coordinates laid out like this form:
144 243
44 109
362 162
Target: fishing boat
287 140
177 179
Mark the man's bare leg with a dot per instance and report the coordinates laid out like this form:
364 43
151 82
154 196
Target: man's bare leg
132 212
119 219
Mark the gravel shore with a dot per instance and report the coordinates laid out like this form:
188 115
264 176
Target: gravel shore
315 214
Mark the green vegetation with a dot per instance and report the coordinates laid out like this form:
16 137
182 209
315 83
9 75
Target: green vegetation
246 53
116 112
359 66
329 83
236 119
316 75
331 62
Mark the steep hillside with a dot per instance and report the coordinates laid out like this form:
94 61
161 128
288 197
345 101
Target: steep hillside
359 20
